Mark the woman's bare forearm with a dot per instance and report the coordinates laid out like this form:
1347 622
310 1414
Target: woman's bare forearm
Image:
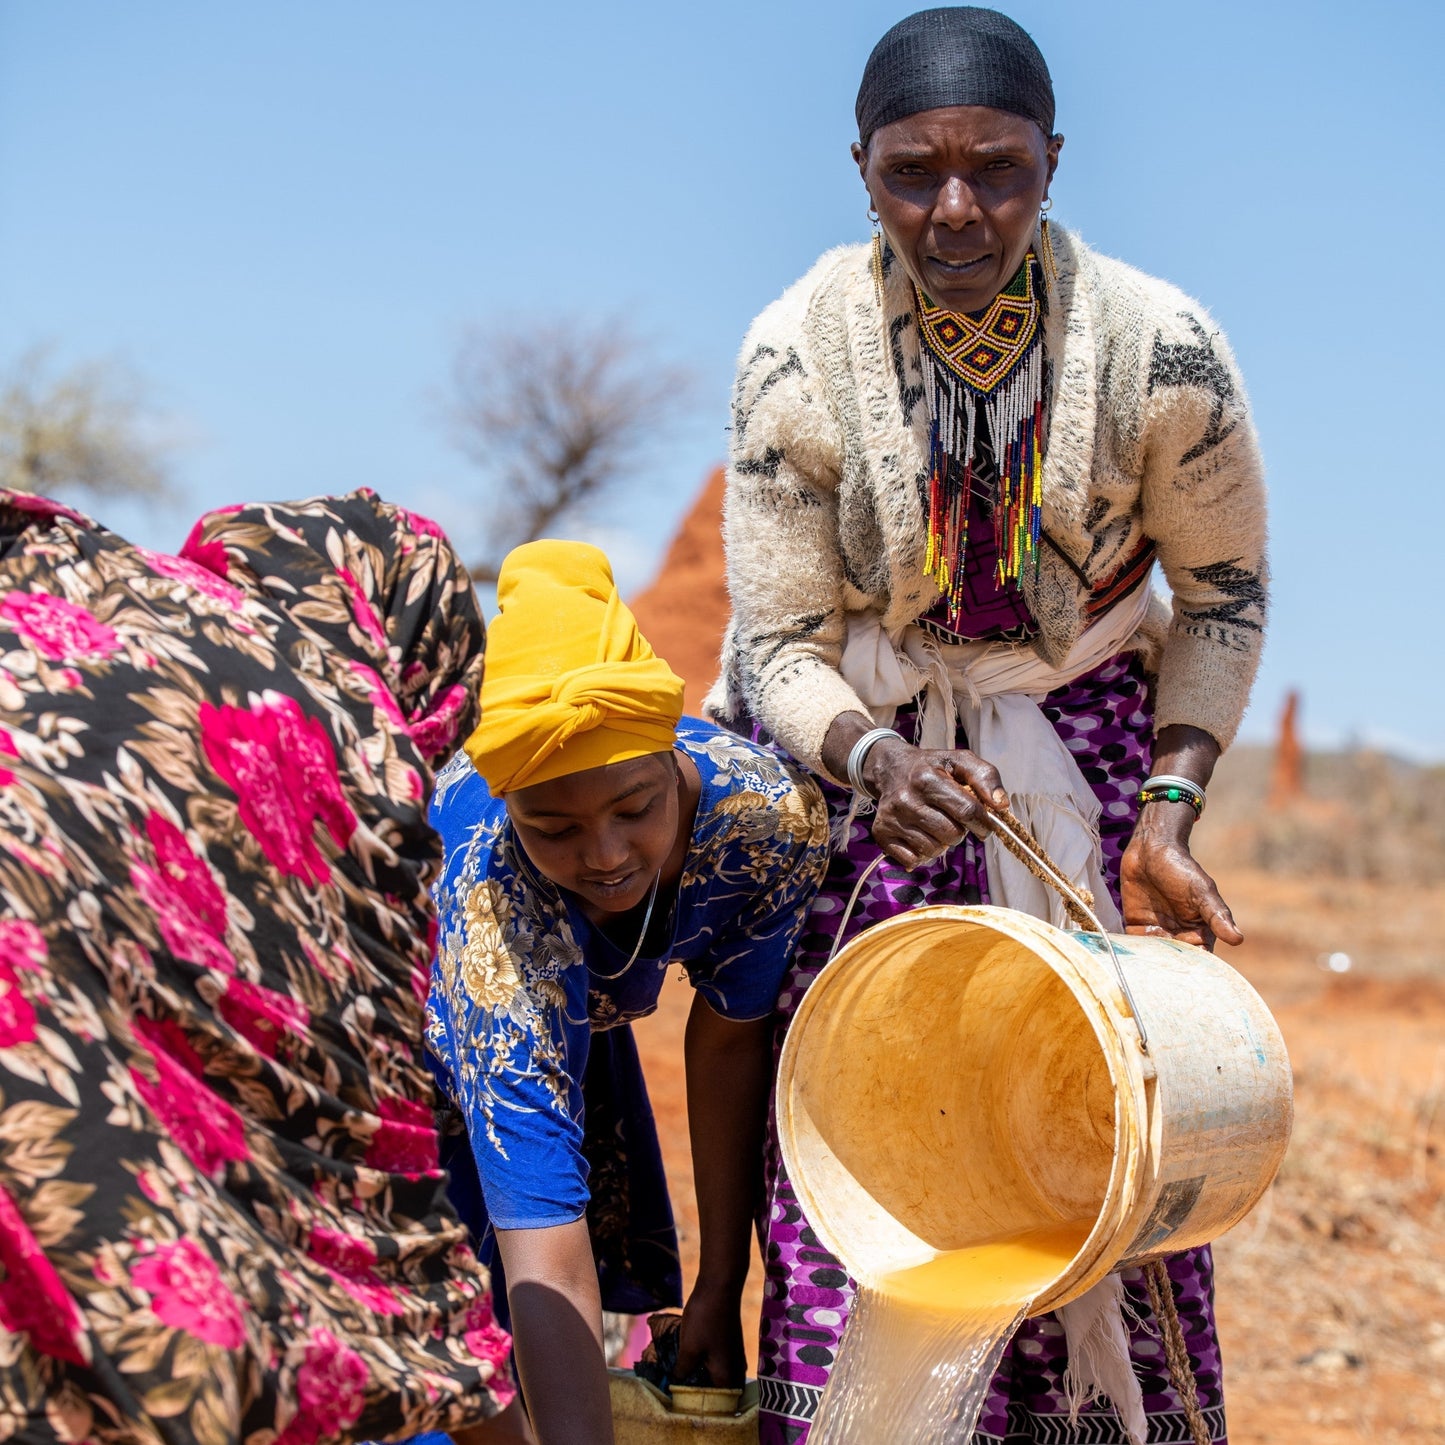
729 1072
557 1332
1184 752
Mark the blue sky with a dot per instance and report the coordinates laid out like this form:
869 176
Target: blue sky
283 215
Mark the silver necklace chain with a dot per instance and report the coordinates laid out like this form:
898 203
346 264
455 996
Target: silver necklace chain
646 920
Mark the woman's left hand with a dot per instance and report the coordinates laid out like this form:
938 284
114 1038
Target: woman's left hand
1165 891
712 1336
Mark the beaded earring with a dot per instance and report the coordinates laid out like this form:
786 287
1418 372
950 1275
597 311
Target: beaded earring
1046 245
877 254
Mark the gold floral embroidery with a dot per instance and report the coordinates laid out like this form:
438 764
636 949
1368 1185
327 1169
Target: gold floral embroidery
488 971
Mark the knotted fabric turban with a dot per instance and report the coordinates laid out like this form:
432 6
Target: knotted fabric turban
960 55
569 682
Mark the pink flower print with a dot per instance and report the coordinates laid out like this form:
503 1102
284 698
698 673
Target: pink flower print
305 741
380 694
262 1015
189 905
22 944
211 556
331 1384
280 764
330 1390
349 1261
405 1141
207 580
188 1293
484 1336
436 730
422 526
166 1036
410 1111
367 1290
205 1127
362 610
57 629
488 1341
44 507
33 1300
337 1250
183 933
9 750
188 876
17 1013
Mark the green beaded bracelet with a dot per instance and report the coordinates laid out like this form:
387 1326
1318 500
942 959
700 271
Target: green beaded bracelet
1167 789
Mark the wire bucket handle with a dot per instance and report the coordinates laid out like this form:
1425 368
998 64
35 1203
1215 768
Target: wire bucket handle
1078 902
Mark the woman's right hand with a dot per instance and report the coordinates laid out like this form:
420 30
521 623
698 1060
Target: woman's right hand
927 799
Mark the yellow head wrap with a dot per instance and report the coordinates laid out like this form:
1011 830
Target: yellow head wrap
569 682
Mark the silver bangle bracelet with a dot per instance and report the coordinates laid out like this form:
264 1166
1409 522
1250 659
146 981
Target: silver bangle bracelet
858 755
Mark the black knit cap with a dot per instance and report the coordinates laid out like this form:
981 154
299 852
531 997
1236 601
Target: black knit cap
960 55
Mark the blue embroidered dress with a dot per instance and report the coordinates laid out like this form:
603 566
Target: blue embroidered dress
528 1013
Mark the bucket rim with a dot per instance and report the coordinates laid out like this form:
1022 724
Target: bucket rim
1102 1003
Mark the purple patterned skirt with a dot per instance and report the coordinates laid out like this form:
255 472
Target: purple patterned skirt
1105 718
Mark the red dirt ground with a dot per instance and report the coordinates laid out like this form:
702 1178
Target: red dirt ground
1332 1294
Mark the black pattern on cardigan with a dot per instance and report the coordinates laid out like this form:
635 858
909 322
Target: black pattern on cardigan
1198 366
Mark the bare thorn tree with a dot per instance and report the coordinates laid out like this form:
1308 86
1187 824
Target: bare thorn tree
555 417
82 430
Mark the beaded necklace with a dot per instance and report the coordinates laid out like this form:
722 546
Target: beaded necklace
991 363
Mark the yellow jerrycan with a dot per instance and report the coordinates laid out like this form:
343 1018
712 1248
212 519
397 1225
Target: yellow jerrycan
961 1074
643 1415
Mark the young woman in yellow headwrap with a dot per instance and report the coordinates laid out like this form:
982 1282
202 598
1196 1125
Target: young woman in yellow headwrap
594 836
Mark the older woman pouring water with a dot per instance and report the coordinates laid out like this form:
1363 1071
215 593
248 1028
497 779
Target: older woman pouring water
957 456
594 836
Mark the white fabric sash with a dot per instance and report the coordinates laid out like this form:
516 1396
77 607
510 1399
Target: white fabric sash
995 688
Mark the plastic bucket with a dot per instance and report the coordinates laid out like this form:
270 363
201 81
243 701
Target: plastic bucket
643 1415
960 1074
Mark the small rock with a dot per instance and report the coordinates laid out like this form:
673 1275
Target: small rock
1331 1361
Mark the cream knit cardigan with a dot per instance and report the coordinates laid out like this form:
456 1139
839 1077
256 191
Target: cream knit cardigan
1148 436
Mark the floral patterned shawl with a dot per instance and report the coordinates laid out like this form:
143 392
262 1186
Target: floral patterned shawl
221 1214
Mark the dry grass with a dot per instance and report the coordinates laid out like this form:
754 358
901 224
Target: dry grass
1332 1295
1364 816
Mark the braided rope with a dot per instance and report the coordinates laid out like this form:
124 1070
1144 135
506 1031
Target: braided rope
1161 1297
1076 914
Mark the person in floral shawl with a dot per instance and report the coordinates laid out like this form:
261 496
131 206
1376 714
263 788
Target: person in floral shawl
221 1213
